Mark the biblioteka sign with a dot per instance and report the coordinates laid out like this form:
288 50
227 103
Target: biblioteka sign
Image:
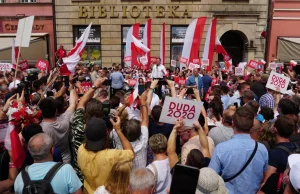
102 11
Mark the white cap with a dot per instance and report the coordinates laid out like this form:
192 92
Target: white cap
290 93
294 163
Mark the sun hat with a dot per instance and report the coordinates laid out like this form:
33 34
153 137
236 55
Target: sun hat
210 182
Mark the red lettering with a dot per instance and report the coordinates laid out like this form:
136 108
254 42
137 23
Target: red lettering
186 107
172 105
179 107
193 109
170 113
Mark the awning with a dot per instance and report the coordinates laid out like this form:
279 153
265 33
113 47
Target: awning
288 49
36 50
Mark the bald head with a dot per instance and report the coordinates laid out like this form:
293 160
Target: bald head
40 146
227 117
142 181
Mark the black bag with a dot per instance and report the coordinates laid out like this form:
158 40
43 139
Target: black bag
40 186
4 162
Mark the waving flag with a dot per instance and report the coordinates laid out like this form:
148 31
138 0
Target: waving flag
209 48
131 54
139 47
74 55
221 50
192 40
147 40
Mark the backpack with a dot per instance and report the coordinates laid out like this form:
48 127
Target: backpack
287 150
40 186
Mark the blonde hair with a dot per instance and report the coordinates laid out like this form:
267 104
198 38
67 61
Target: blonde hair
118 180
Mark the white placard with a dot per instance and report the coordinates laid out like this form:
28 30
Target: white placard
277 80
24 31
239 71
242 64
280 65
175 108
193 66
272 65
173 63
5 67
144 60
182 66
205 62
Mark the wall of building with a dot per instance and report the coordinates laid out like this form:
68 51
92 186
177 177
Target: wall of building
248 17
285 23
12 10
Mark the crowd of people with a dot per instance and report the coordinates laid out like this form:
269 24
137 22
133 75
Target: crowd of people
99 140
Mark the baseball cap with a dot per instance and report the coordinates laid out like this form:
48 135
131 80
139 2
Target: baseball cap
294 163
210 182
96 134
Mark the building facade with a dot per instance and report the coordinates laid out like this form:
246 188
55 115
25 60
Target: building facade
284 27
239 25
42 37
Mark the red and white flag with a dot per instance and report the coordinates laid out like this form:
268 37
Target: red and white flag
221 50
74 55
13 144
139 47
134 94
192 40
209 48
131 54
293 63
163 44
147 40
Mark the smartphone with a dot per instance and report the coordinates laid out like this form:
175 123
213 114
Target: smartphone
66 81
107 82
190 91
184 180
141 89
236 105
162 82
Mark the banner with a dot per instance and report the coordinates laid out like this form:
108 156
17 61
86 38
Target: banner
22 65
132 82
204 63
24 31
272 65
253 64
278 81
209 48
133 31
144 60
239 71
5 67
147 40
175 108
42 65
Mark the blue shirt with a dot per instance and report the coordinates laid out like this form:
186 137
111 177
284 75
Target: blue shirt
229 158
117 80
64 182
191 81
225 100
206 82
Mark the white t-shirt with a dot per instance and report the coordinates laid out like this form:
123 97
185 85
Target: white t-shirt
154 101
11 85
164 177
157 71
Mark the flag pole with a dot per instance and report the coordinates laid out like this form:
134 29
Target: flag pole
20 46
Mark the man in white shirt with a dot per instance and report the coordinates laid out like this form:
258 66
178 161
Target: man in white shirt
236 99
18 80
158 70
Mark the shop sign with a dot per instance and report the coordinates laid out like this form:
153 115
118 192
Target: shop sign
94 36
102 11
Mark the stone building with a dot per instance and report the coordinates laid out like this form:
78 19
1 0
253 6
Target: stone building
239 25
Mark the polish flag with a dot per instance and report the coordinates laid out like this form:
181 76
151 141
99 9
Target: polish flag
221 50
163 44
14 54
130 52
147 39
210 43
192 40
134 94
139 47
13 144
74 55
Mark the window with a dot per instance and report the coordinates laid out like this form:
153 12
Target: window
124 35
28 1
2 1
177 40
92 50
